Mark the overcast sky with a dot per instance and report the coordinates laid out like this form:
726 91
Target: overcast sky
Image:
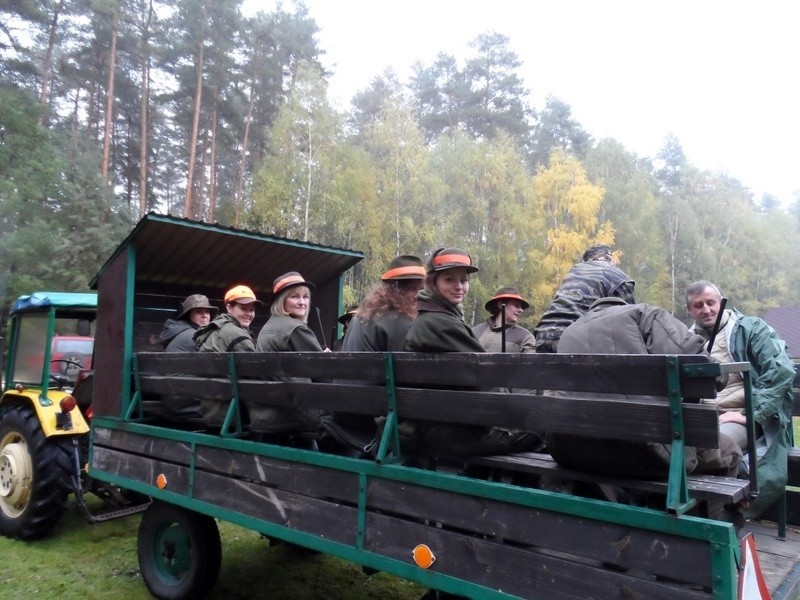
720 75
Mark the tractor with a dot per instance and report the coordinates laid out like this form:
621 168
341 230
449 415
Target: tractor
45 412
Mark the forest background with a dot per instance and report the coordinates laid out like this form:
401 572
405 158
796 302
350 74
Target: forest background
113 108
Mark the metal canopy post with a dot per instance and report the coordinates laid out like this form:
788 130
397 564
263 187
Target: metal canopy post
390 437
678 500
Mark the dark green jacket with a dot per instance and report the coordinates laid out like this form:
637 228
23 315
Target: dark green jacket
286 334
386 333
224 334
440 327
753 341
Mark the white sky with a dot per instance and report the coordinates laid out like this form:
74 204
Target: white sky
720 75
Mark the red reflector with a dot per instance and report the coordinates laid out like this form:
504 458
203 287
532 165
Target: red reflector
67 403
89 413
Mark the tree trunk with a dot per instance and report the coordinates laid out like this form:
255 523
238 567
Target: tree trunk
47 67
212 187
144 109
237 199
109 98
188 208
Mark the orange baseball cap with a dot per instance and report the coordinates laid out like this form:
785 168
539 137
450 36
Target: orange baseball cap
241 294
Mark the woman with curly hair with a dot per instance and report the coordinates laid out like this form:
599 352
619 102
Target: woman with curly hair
385 315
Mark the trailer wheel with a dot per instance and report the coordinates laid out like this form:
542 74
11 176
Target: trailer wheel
34 475
179 552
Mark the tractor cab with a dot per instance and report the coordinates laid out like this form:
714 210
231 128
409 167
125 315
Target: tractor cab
50 346
52 339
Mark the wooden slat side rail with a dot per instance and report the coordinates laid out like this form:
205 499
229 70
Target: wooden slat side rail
637 420
610 374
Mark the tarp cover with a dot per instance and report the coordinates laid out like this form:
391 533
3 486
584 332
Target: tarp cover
39 301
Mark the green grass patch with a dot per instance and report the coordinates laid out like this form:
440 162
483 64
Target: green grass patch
86 562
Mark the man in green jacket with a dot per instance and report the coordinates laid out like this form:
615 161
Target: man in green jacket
750 339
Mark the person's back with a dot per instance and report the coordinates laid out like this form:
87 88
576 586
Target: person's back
177 336
594 278
613 327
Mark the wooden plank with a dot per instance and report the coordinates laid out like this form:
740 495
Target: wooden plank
201 364
613 419
326 518
638 420
630 374
180 385
292 476
109 362
525 572
726 489
366 367
624 547
140 468
150 446
331 397
610 374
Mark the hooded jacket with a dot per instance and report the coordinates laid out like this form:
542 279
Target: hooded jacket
750 339
613 327
177 336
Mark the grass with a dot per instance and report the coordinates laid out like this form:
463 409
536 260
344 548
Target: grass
88 562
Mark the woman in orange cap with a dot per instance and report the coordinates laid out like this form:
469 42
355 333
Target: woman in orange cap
230 331
385 315
440 327
501 331
287 329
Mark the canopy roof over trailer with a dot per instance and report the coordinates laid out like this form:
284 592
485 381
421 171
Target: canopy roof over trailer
175 252
164 259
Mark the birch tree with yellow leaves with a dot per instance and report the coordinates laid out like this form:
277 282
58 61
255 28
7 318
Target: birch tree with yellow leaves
569 204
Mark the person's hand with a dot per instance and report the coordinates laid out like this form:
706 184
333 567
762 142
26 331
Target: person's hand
732 417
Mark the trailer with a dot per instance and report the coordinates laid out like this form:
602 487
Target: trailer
479 527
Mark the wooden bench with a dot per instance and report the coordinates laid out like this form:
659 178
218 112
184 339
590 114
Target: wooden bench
375 511
421 394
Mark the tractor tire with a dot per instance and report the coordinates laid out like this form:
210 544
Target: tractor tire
34 475
179 552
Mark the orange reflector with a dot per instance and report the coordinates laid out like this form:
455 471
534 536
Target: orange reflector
161 481
423 556
68 403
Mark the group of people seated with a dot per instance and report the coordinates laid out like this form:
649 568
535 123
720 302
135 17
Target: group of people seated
418 307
